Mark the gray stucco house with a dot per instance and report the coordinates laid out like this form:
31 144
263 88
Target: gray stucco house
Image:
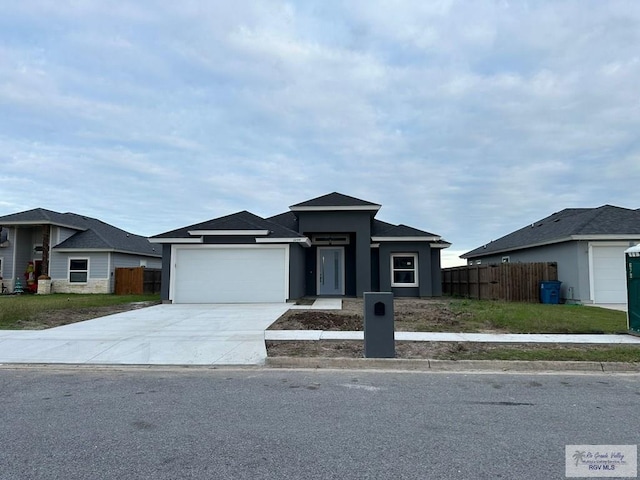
78 253
328 246
588 245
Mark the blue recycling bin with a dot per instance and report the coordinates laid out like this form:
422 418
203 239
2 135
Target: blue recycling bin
550 292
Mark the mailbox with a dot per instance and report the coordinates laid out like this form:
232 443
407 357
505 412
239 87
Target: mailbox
379 329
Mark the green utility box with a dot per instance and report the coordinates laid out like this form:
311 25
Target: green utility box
633 289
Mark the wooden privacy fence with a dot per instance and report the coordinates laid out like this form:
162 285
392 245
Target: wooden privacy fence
137 281
511 282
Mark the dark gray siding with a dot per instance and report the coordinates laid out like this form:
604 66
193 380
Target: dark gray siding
358 224
425 271
296 271
166 272
436 272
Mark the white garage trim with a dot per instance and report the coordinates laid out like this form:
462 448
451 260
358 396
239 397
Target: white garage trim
281 271
616 280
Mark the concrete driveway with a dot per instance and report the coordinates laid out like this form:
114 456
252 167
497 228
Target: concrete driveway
160 335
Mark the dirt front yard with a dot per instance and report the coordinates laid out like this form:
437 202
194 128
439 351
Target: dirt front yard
411 315
57 318
448 315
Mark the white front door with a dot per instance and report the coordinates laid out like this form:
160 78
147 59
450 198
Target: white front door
330 271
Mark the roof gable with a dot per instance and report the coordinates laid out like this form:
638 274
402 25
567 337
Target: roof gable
240 221
335 201
568 224
93 234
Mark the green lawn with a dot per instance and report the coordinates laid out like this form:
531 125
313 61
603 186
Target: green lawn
585 353
516 317
16 308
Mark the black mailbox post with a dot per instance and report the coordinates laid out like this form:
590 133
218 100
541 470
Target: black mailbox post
379 329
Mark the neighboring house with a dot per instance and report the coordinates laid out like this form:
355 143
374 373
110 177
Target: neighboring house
79 253
328 246
588 245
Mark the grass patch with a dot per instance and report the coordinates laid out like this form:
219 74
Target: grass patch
25 308
561 353
516 317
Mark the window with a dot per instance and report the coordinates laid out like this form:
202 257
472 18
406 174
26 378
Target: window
506 259
78 270
404 270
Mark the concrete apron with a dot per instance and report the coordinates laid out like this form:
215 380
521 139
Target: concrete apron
159 335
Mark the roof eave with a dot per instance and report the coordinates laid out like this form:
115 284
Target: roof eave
176 240
304 241
405 239
359 208
36 223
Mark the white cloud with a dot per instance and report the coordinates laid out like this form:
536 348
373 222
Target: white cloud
467 119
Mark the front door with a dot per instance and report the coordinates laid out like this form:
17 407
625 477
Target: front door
330 270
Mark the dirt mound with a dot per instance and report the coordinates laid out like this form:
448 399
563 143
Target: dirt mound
318 320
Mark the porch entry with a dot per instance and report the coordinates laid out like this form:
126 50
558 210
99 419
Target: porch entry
330 270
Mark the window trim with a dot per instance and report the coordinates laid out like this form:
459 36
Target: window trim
416 281
78 271
506 259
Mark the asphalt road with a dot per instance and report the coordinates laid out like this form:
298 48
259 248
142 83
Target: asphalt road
278 424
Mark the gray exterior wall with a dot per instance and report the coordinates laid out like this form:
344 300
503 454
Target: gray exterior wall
436 272
6 253
358 224
297 262
166 272
425 286
573 266
23 251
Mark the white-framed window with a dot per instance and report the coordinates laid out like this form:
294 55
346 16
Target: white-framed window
78 270
404 270
478 262
506 259
143 263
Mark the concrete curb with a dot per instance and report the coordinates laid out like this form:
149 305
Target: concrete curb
451 365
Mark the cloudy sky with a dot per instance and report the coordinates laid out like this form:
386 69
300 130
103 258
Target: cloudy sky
468 119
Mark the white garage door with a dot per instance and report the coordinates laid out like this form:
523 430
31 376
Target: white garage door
609 277
229 275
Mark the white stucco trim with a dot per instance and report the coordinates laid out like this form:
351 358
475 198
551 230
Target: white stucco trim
440 245
176 240
43 222
405 239
302 240
369 208
416 282
229 232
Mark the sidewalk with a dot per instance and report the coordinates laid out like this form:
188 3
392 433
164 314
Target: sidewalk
315 335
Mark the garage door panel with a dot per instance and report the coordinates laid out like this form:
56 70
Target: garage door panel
609 278
233 275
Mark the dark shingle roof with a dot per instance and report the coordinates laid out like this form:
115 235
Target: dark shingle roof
561 226
92 233
336 199
287 220
384 229
236 221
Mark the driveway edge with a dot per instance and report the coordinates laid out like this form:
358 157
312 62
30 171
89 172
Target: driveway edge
451 365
